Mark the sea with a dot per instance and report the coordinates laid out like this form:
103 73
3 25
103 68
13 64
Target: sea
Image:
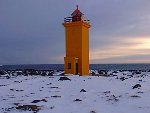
92 67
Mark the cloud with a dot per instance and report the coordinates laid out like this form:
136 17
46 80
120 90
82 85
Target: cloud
124 59
31 31
123 49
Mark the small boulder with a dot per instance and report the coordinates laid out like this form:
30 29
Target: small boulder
44 74
136 86
56 96
3 72
36 101
44 100
122 78
92 111
34 108
77 100
93 73
64 78
83 90
135 96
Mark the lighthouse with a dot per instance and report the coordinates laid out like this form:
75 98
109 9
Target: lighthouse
76 60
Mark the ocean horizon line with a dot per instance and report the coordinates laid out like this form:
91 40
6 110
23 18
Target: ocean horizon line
63 64
130 66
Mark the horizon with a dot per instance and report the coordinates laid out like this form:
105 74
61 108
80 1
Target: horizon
63 64
31 32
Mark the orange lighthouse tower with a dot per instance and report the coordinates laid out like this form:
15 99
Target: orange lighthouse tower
77 44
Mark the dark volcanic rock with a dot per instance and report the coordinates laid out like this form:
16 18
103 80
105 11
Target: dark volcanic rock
2 73
8 109
2 85
34 108
115 72
136 86
19 90
36 101
43 74
63 78
130 76
107 92
135 96
100 72
12 89
44 100
83 90
137 72
56 96
77 100
8 77
112 98
122 78
93 73
51 73
54 87
92 111
103 72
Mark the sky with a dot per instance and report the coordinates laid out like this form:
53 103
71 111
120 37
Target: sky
31 31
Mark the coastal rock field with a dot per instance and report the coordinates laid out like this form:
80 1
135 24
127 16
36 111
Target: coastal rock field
52 92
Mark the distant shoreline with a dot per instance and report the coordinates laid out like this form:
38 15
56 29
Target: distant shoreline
138 66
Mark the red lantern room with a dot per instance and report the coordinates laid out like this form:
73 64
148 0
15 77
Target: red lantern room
77 15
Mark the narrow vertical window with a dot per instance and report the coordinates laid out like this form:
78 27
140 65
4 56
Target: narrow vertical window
69 65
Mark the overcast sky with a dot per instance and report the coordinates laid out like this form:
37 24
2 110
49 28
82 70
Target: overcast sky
31 31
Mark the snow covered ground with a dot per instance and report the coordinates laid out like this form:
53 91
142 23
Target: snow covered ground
120 92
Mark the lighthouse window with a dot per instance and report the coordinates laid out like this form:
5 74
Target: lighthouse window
69 65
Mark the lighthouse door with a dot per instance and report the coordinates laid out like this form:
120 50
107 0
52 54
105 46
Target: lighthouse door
76 68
